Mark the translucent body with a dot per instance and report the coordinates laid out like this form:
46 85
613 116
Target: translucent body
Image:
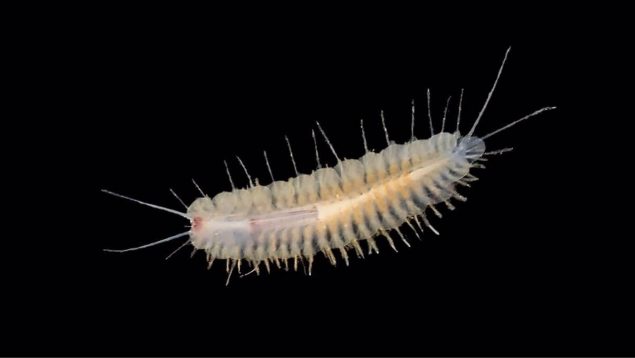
334 208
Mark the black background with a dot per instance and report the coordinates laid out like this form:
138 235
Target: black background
140 101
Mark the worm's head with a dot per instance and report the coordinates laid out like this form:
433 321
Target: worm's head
471 148
198 210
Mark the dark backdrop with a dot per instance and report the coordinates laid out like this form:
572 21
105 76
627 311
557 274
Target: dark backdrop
141 101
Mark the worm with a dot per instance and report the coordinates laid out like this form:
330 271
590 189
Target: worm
334 210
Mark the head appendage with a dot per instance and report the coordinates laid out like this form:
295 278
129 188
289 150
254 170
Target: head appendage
489 95
517 121
147 204
498 151
152 243
179 249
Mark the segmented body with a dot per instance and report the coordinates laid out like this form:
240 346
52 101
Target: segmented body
334 208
